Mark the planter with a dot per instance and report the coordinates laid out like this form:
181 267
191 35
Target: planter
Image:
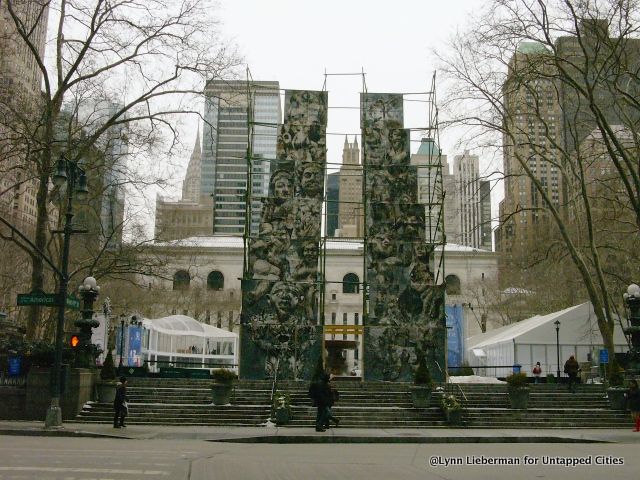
617 400
519 397
106 392
454 417
221 393
283 415
421 396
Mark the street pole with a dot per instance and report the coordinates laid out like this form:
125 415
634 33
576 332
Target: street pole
557 324
121 346
67 173
54 414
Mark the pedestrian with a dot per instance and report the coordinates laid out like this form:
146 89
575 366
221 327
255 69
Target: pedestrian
334 397
633 403
572 368
120 407
320 393
537 371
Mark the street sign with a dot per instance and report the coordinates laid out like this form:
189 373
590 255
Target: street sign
46 300
73 302
604 356
43 299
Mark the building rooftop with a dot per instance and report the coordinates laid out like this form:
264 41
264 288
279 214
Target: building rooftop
529 48
428 147
220 241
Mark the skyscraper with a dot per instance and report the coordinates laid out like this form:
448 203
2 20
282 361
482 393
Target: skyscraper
332 207
350 213
473 199
232 108
20 80
533 115
548 116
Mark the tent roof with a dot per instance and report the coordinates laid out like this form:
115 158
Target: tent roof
183 325
509 332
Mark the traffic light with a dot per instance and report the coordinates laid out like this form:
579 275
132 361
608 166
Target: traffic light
74 341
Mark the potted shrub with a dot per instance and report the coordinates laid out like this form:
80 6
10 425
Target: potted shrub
452 409
421 389
518 390
281 408
223 381
107 384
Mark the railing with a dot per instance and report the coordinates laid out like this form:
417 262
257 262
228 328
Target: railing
487 370
12 381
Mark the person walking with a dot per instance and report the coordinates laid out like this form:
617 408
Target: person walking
537 371
633 403
120 408
320 393
571 368
334 397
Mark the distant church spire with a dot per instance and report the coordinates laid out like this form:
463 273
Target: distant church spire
197 149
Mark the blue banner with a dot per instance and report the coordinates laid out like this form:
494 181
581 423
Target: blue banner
455 335
135 346
15 366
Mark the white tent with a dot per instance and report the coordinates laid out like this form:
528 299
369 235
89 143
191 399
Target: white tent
183 341
534 340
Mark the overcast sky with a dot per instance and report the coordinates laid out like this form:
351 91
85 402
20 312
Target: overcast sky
295 41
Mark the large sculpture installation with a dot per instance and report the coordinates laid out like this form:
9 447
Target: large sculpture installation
280 331
404 319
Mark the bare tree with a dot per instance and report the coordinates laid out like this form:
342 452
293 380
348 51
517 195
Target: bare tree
537 80
147 59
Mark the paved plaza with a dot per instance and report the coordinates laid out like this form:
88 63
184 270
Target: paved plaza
93 451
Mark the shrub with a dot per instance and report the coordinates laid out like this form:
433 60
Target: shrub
282 400
551 378
517 380
224 375
422 375
108 371
450 403
464 370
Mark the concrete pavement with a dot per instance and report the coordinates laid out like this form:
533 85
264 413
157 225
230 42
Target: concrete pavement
272 434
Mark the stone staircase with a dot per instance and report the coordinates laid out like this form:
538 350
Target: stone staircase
550 406
188 402
362 405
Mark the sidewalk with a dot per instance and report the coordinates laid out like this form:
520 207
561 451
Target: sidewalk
334 435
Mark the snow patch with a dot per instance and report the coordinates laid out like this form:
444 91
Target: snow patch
474 379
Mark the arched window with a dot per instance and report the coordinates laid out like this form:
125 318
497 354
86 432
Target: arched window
181 280
452 283
351 283
215 281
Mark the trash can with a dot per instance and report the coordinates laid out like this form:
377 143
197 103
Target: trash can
517 368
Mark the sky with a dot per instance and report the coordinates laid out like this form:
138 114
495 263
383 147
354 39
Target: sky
296 41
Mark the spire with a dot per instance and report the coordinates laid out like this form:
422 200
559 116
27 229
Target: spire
346 143
355 141
197 149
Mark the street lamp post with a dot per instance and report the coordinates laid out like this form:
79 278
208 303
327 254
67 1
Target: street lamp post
557 324
121 344
89 291
68 173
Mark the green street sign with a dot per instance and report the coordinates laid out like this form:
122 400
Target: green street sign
73 302
46 300
42 299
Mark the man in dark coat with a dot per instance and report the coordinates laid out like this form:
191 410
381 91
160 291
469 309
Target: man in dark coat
120 404
571 368
320 393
